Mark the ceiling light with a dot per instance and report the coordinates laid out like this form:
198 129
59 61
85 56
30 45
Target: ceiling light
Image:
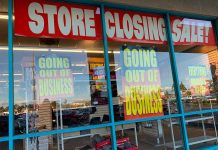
80 65
5 17
93 51
18 74
68 50
113 65
117 69
24 48
29 49
77 73
3 48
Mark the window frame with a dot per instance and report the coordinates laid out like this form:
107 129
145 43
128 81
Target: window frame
112 124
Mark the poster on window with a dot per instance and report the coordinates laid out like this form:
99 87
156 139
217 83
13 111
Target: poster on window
199 82
140 83
53 77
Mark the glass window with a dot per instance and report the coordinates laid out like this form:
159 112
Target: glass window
59 84
4 68
202 130
148 135
196 57
140 70
4 145
141 80
81 140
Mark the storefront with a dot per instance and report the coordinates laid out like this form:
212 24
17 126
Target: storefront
95 75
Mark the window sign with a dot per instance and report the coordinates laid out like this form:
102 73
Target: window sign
54 77
140 83
60 20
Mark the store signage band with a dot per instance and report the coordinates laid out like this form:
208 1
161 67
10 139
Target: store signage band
63 20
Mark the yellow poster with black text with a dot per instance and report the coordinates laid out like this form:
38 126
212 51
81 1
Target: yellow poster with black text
140 83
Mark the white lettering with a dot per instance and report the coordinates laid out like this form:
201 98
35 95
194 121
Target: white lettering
109 19
153 30
50 10
137 20
127 26
176 30
65 27
37 25
89 20
77 21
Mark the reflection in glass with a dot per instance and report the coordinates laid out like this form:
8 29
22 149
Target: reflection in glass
159 134
80 140
141 74
58 88
4 69
197 80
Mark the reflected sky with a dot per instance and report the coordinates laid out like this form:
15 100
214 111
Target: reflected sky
80 72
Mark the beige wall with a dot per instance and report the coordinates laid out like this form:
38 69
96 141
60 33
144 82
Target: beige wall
203 7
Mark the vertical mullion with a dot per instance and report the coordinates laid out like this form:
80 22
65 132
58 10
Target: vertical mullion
109 90
10 76
176 82
215 24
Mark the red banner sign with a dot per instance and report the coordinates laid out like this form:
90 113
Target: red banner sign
129 26
40 18
135 27
192 32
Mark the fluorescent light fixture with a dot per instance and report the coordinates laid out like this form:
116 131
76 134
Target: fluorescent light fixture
3 81
29 49
18 74
5 74
93 51
68 50
78 51
24 48
3 48
80 65
54 50
113 65
116 52
17 81
5 17
77 73
117 69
